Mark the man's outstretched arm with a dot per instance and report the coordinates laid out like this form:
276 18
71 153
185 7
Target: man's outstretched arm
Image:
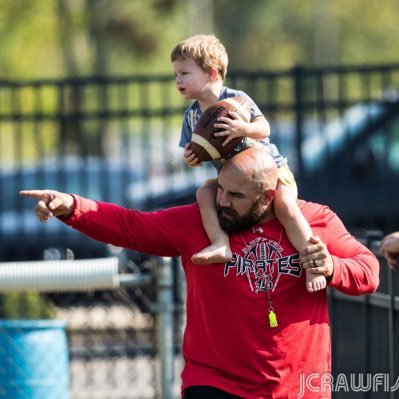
160 233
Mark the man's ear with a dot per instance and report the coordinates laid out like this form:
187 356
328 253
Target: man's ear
268 196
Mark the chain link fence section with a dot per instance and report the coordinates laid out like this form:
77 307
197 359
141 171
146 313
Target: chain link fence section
112 347
122 343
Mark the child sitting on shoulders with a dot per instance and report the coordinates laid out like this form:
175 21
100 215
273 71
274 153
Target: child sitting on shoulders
200 66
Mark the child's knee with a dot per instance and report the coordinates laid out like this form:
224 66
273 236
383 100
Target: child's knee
206 193
202 193
205 196
198 193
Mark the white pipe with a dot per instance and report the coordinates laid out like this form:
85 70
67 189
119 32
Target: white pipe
59 276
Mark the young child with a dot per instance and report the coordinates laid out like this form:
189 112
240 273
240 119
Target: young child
200 66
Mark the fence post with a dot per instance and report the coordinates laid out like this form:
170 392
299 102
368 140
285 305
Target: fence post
165 331
297 74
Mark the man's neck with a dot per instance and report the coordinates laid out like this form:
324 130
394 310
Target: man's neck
269 215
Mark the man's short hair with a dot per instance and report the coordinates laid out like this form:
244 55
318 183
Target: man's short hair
207 51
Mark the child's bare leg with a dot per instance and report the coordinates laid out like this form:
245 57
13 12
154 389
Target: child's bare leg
298 230
219 251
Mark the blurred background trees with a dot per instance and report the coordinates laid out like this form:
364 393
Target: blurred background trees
64 38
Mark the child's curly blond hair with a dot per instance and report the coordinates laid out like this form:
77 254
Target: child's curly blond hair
206 50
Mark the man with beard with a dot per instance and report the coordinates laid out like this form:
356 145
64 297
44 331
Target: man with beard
253 331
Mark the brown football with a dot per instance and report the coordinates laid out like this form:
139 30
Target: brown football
204 144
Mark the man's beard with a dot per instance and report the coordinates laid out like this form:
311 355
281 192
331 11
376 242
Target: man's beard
236 223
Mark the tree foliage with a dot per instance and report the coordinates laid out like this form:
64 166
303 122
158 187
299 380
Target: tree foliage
58 38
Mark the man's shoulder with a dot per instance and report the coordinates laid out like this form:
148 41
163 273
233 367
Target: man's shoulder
190 212
184 220
316 213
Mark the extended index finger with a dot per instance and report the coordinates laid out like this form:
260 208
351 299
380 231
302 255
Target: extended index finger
38 194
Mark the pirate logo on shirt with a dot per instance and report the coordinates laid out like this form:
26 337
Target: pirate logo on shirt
263 263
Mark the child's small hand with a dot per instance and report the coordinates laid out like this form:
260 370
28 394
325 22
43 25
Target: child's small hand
233 127
189 157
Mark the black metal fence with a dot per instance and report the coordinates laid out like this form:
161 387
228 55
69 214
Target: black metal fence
115 139
365 349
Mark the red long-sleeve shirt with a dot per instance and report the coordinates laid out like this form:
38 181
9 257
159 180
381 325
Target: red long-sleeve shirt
228 342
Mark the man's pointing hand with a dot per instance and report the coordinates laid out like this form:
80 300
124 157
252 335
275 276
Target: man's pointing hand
50 203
